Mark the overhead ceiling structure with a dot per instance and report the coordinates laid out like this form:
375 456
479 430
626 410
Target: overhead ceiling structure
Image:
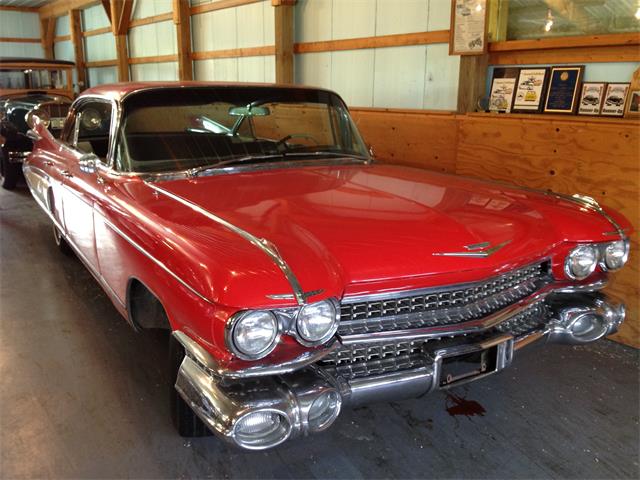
23 3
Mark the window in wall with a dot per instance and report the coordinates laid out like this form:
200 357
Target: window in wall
529 19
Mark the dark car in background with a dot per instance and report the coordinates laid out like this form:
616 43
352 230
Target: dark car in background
27 84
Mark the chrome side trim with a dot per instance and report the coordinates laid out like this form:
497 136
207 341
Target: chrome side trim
206 360
584 288
135 245
261 243
590 202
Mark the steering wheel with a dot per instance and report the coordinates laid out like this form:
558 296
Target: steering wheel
283 141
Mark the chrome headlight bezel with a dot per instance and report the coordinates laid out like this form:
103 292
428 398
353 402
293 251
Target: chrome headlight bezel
236 321
576 251
604 264
298 329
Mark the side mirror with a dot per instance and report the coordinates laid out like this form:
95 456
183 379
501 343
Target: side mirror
88 163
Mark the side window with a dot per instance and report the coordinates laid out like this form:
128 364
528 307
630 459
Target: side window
91 128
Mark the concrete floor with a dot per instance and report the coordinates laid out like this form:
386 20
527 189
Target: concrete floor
82 395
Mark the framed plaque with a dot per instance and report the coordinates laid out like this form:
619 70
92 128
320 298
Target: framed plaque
615 98
591 98
530 90
502 91
468 33
633 105
564 84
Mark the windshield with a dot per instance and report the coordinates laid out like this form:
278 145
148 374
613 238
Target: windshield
32 79
177 129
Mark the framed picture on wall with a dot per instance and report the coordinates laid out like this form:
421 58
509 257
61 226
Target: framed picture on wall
591 98
530 90
633 104
615 98
563 91
468 32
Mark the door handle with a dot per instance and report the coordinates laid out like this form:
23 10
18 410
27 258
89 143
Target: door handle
66 173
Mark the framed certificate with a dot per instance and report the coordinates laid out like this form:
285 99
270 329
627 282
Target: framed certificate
591 98
633 104
530 90
615 98
562 94
468 33
501 98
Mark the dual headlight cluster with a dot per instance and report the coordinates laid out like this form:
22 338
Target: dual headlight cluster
253 334
583 259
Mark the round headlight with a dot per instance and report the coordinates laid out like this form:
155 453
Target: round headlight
317 322
253 334
581 262
616 254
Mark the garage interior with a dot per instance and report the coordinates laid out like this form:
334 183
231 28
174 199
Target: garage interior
84 396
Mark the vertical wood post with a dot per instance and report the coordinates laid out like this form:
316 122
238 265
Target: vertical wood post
47 32
78 47
182 21
284 39
120 16
472 81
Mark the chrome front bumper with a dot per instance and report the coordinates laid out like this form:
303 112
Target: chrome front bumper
17 157
293 399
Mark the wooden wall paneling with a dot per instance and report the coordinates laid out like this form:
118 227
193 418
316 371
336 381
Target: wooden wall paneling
75 25
182 21
283 17
415 138
599 159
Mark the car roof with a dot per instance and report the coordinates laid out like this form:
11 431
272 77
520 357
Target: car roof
117 91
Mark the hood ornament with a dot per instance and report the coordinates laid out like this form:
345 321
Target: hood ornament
475 250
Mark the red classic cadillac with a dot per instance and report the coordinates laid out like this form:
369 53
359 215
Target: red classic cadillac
297 274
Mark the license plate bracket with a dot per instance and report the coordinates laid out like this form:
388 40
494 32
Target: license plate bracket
465 363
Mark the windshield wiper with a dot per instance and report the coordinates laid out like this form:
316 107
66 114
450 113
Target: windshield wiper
283 155
232 161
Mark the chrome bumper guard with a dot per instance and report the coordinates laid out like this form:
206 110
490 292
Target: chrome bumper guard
258 412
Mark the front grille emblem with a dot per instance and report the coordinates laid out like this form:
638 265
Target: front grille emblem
475 250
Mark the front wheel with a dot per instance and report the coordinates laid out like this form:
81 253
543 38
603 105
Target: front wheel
9 172
184 418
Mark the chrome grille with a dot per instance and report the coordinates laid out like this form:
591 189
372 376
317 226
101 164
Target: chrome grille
362 360
442 306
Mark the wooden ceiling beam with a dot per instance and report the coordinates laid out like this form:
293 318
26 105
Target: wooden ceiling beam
58 8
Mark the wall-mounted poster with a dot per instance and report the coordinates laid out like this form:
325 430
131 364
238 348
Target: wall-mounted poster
614 99
591 98
562 94
468 34
530 90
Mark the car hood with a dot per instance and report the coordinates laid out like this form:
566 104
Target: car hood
363 227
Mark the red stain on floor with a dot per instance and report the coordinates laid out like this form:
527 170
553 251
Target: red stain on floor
461 406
